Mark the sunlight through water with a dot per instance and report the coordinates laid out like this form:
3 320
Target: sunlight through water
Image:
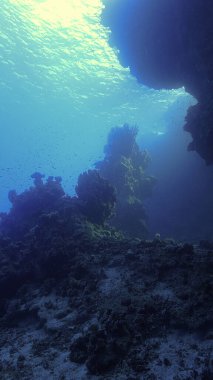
58 48
62 88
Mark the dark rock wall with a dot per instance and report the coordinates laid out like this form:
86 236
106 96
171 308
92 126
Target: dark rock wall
169 44
182 200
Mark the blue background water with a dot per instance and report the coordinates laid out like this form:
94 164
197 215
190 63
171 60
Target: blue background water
62 89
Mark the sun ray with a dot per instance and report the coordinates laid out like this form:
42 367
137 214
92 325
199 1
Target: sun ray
60 13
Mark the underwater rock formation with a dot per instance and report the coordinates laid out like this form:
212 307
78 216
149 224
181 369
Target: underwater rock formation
97 196
169 44
109 307
35 235
77 301
41 198
124 166
95 202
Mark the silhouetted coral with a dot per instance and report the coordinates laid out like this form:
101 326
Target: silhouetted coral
124 167
39 235
97 196
29 205
121 142
71 289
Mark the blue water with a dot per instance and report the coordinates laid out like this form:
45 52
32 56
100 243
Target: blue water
182 200
62 89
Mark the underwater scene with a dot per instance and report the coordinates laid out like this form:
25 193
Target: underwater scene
106 177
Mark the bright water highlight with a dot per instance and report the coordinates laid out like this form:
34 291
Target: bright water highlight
62 89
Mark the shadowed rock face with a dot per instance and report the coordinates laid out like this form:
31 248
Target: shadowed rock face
169 44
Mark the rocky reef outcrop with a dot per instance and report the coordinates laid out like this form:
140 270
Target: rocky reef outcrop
169 44
125 167
78 301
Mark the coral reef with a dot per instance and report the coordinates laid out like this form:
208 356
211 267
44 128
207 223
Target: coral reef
119 309
78 301
45 200
39 199
43 213
124 166
97 196
168 44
